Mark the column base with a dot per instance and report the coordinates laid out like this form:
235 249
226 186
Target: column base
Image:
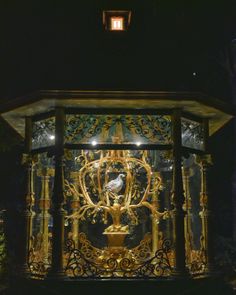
24 271
56 275
180 274
211 271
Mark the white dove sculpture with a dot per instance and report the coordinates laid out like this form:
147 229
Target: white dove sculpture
115 185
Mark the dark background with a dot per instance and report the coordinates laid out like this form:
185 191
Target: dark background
63 45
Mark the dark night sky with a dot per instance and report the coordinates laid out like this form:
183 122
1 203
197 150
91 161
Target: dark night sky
62 44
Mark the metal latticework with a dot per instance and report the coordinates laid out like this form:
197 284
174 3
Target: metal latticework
95 264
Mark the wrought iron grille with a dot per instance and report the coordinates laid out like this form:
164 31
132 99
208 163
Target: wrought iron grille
87 264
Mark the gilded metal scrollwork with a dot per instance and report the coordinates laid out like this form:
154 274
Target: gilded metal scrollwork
101 196
113 186
133 264
38 265
155 128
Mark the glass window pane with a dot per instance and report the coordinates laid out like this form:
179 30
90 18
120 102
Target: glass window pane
43 133
192 134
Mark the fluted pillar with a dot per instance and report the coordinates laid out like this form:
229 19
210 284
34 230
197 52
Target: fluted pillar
44 205
188 216
75 206
58 213
206 214
167 200
28 201
155 224
178 200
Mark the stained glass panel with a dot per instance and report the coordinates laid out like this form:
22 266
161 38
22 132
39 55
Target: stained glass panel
125 129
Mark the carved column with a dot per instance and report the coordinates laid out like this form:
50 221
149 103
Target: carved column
206 214
178 199
58 213
188 216
167 199
44 205
28 201
155 224
75 207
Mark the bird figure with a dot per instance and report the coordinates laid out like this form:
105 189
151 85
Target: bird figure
115 185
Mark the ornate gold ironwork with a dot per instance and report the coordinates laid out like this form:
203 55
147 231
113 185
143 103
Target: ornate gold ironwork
100 195
75 205
28 161
89 261
195 258
207 247
186 172
38 265
198 262
44 205
114 183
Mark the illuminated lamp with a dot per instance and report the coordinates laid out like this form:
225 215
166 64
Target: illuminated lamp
116 20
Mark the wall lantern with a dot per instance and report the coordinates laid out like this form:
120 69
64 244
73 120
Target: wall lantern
114 20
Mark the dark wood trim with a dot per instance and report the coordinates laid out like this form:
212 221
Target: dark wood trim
120 111
121 95
192 151
192 117
58 213
178 199
118 147
206 135
48 149
43 116
28 135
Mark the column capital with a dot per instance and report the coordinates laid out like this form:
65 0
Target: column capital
29 159
204 160
50 172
